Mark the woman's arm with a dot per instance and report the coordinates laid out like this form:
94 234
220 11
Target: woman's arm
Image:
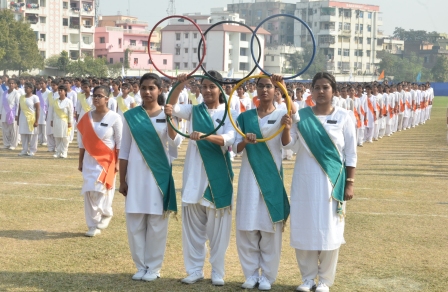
36 113
182 79
82 151
123 172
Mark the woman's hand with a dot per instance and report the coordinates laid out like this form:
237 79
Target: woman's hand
69 125
35 124
196 136
250 138
287 121
123 189
349 192
117 167
181 78
80 167
168 110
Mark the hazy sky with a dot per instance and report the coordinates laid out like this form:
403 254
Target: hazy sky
430 15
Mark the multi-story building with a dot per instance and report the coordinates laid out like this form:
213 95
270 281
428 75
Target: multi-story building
118 35
228 45
59 25
429 51
347 33
393 46
276 58
281 29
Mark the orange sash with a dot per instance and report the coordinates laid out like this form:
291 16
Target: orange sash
364 114
256 101
391 112
408 104
401 106
105 156
370 105
309 101
358 119
385 110
242 107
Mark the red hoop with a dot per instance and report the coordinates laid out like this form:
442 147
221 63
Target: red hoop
202 37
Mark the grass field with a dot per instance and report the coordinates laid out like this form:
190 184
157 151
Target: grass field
396 231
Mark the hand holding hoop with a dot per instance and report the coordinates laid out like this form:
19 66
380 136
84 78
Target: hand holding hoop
282 88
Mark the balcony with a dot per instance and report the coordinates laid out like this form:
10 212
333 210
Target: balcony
87 28
326 44
73 11
345 32
327 31
136 32
128 21
328 18
135 48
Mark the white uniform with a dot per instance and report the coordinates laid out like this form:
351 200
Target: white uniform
245 102
9 130
42 128
73 96
380 122
371 116
48 128
128 100
60 127
317 231
112 104
97 198
80 111
29 138
361 106
407 100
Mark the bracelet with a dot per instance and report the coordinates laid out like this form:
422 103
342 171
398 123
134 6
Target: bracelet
350 180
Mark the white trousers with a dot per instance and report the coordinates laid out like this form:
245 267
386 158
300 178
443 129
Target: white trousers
376 129
147 235
406 123
72 133
368 134
259 250
9 134
360 134
199 224
42 138
29 143
61 145
400 122
96 206
51 143
313 263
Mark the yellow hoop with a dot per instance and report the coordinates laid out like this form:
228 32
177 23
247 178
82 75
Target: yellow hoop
288 104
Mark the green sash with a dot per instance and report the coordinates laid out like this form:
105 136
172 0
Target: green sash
268 177
324 151
153 151
217 165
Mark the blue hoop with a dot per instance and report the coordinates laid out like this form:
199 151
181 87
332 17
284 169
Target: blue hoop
301 21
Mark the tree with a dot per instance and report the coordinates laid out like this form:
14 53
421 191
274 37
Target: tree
115 69
63 61
127 52
52 61
403 69
295 61
18 44
90 66
440 70
319 64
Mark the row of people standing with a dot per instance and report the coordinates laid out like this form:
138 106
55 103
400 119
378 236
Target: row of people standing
149 145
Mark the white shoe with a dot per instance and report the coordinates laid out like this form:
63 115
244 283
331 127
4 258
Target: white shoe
308 285
322 287
44 144
12 148
31 154
92 232
150 276
217 279
193 278
63 156
250 282
22 154
104 222
263 284
139 275
55 156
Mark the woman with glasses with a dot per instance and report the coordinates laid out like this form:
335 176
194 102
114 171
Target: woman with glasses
262 203
324 173
61 120
99 142
29 112
207 190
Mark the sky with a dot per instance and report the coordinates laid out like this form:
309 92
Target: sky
429 15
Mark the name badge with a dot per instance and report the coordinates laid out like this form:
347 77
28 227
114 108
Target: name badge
271 122
161 121
219 121
333 122
104 125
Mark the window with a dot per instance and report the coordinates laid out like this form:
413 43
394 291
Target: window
119 43
177 36
121 60
135 61
177 51
195 50
111 60
339 65
65 39
368 66
42 37
195 65
243 37
347 13
177 65
361 14
145 43
361 27
369 41
65 21
43 19
272 58
204 65
369 15
340 26
102 40
356 27
133 42
186 35
347 26
185 65
186 50
195 35
43 3
243 51
243 66
165 62
339 52
369 28
346 52
361 40
368 53
358 53
149 61
65 5
43 54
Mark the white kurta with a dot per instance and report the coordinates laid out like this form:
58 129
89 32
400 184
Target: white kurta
79 110
43 115
13 101
112 104
128 100
111 136
60 127
23 123
144 195
195 179
315 224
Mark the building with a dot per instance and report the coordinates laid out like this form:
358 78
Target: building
428 50
281 29
59 25
228 45
276 58
119 35
348 34
393 46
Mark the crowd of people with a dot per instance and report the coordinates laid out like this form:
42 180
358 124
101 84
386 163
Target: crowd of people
122 126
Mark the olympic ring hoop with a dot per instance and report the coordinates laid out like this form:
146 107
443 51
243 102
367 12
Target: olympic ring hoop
288 104
213 26
225 111
296 18
202 39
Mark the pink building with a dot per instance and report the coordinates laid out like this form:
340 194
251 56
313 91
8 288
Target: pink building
117 34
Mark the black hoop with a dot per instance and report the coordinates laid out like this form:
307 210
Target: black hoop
239 23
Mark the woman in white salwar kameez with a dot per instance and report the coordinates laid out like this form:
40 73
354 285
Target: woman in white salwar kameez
207 190
317 209
61 116
258 225
100 137
146 214
29 112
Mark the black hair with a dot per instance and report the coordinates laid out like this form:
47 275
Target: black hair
157 82
56 81
62 87
325 75
126 85
106 90
30 85
218 77
13 79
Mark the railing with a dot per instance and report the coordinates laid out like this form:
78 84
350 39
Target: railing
127 21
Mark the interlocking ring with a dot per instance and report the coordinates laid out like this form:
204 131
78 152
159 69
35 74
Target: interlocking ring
149 44
301 21
282 89
222 22
225 110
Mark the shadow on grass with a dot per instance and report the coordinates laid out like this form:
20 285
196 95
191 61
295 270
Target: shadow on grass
59 281
37 234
